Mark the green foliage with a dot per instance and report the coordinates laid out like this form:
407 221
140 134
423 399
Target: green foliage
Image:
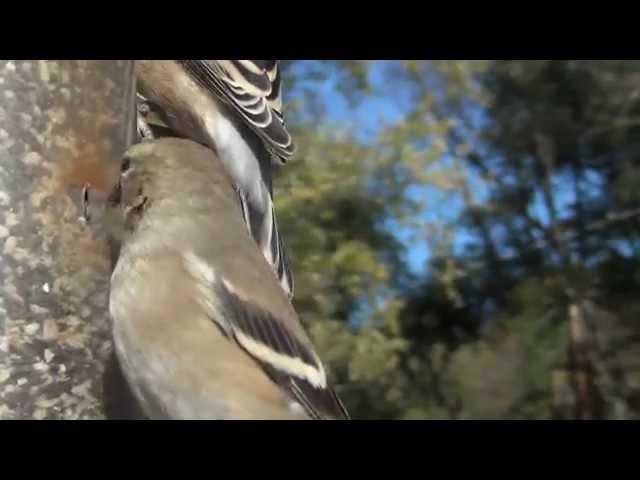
542 159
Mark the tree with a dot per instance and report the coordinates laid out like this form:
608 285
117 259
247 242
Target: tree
526 308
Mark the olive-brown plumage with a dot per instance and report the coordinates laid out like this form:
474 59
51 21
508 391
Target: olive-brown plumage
201 326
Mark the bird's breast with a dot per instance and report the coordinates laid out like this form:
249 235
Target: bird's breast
178 362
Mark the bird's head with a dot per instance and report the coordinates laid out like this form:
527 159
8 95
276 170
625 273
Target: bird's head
170 176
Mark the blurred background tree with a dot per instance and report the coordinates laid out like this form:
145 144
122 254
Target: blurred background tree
465 234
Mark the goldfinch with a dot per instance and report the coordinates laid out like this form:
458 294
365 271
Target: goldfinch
235 108
201 327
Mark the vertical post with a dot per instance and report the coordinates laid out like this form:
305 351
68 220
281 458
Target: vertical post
63 124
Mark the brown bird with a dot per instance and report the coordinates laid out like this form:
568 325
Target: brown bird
201 326
235 108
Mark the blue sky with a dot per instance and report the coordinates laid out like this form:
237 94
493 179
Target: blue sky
366 119
388 105
369 117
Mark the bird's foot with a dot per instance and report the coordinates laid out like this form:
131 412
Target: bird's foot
144 131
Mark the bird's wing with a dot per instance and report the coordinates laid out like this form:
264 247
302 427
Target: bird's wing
288 359
253 89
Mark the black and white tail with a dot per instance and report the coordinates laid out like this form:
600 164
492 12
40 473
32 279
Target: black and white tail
264 229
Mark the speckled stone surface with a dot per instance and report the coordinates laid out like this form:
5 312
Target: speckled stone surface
62 123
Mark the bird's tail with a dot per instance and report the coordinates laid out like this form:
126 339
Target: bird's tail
281 259
263 227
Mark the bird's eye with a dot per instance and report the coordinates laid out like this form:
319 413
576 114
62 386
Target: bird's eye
125 165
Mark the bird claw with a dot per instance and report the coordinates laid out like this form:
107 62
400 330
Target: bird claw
144 131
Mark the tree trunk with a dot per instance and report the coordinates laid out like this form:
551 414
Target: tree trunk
588 403
63 124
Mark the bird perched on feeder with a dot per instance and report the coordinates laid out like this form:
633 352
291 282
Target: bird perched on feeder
202 328
235 108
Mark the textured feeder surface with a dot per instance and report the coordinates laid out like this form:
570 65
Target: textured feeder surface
62 124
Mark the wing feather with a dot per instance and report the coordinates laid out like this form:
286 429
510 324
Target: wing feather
253 89
286 356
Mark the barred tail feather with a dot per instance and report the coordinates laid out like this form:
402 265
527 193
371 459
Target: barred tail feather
264 229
